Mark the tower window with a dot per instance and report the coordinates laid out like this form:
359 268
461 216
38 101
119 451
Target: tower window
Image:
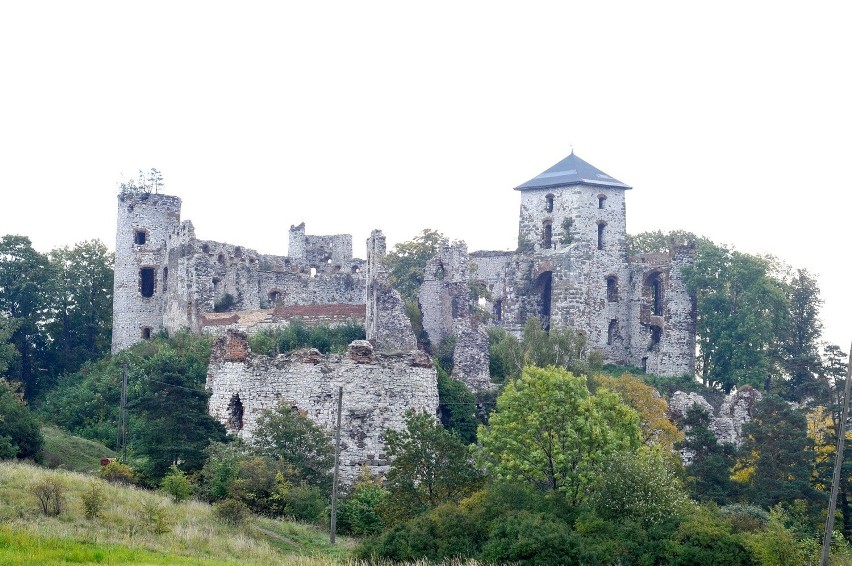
601 201
146 333
601 228
611 289
547 240
548 203
139 237
235 413
146 281
657 295
274 297
498 309
165 278
612 331
656 334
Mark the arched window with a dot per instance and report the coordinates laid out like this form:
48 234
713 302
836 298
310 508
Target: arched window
146 333
548 203
547 238
611 289
274 297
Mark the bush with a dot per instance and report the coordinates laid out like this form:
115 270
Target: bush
531 538
303 503
296 335
176 485
155 516
231 512
745 518
50 492
116 472
20 433
358 514
93 500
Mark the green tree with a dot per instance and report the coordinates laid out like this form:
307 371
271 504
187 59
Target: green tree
800 336
407 261
173 425
20 434
778 447
26 281
740 313
710 463
81 328
176 484
658 241
288 435
429 466
550 431
456 406
8 353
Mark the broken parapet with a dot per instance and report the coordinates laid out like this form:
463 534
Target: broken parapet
319 250
378 391
387 325
470 356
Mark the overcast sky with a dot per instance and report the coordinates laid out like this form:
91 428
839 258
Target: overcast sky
729 119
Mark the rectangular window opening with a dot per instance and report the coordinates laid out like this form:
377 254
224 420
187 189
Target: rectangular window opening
146 281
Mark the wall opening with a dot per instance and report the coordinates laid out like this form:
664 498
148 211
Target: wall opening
498 310
165 278
543 288
656 335
146 333
601 228
146 281
657 295
235 413
612 289
612 331
645 364
601 201
547 239
313 272
221 259
139 237
215 286
274 297
205 248
548 203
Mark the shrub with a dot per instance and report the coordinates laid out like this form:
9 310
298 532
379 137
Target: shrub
358 514
231 512
50 492
531 538
116 472
302 502
20 433
176 485
745 518
155 516
93 500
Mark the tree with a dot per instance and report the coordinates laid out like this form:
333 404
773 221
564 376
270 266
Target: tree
800 335
658 241
549 431
8 353
26 281
740 310
777 446
289 436
656 428
456 406
708 472
20 434
429 466
407 261
173 424
81 328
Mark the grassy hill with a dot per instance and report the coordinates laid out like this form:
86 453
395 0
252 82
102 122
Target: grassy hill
68 452
142 527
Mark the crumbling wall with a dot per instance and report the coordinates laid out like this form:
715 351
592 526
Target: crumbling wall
378 390
319 250
387 326
662 325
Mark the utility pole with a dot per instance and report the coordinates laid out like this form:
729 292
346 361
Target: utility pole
336 465
838 466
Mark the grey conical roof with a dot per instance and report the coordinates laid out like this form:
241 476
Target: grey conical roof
571 171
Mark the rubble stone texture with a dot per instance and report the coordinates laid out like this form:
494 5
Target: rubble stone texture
378 390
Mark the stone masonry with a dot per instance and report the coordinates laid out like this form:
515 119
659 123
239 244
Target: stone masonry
378 390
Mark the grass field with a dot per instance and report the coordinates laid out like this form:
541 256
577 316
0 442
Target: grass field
68 452
142 527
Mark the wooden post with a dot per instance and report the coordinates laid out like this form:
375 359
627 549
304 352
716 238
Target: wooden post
838 466
336 466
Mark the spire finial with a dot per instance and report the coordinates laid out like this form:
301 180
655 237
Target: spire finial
572 148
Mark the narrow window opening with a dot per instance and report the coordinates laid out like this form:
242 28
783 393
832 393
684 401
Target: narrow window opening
601 201
656 334
165 278
543 288
235 413
657 292
547 240
146 281
221 259
215 285
601 236
313 272
498 309
146 333
645 364
548 203
611 289
139 237
612 331
274 297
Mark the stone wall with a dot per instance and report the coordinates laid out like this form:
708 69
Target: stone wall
387 327
378 390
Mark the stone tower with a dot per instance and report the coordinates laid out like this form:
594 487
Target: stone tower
572 225
145 222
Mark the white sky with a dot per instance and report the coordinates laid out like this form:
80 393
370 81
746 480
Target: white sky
729 119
